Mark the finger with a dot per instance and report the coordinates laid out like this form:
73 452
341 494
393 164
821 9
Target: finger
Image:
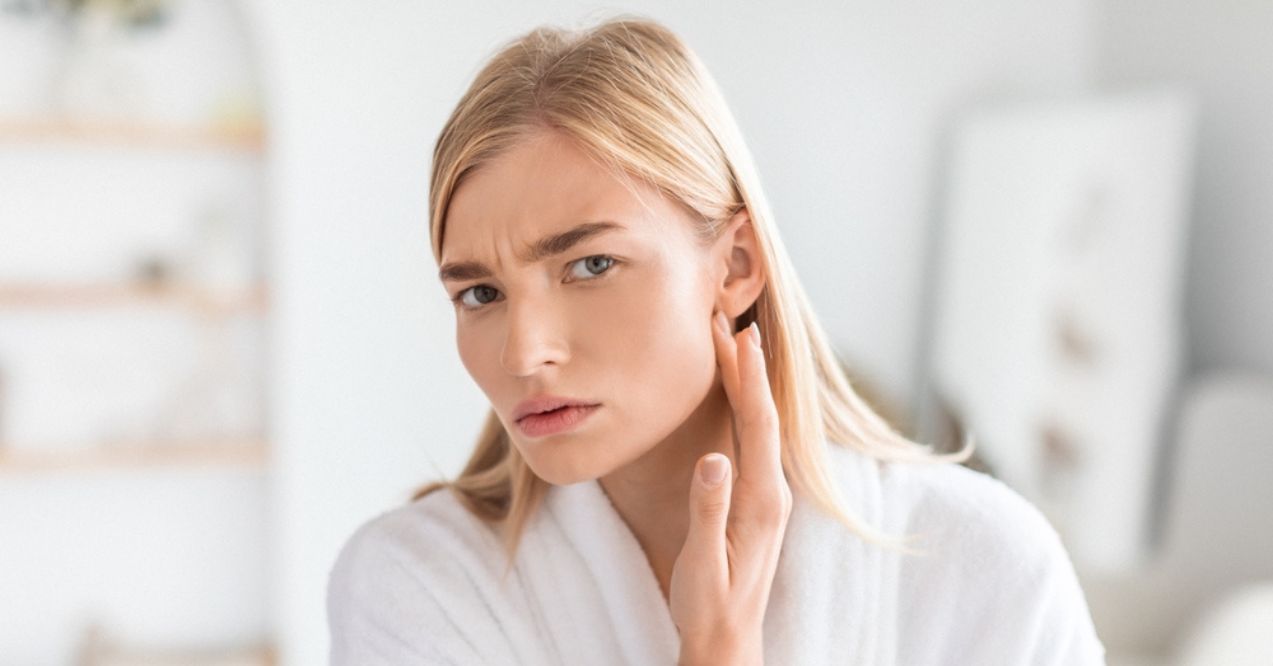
709 510
759 440
751 400
726 356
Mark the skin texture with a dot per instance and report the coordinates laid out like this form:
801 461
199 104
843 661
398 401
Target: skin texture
635 337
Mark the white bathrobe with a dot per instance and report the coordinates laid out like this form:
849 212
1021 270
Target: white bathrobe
419 584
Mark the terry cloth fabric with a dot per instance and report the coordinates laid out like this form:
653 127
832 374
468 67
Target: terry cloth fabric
420 584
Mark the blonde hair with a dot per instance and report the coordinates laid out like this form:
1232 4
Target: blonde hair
639 101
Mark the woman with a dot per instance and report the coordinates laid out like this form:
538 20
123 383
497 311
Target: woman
674 468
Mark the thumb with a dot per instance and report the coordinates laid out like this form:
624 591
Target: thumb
709 505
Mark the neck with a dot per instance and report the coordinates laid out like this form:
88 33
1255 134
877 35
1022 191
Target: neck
651 493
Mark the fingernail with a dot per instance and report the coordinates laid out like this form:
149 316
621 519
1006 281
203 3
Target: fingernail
721 323
755 334
714 467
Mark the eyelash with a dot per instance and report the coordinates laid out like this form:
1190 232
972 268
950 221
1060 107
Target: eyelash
459 296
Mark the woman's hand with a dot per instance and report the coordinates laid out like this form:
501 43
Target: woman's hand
721 579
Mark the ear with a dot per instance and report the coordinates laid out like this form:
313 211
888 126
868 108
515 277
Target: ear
741 280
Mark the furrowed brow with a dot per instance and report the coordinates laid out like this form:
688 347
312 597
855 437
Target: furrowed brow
548 246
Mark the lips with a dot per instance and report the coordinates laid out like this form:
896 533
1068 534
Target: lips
556 422
547 403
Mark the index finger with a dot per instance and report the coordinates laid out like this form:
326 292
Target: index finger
750 396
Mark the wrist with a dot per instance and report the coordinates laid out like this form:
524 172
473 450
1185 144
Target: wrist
718 653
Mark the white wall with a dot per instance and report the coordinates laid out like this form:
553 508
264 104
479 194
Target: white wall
843 105
1222 50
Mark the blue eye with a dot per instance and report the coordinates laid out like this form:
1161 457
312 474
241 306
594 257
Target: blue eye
594 267
604 263
482 289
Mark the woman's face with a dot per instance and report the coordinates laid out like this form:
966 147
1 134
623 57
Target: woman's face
619 318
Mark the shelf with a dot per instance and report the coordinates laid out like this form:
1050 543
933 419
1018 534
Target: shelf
105 295
247 138
242 453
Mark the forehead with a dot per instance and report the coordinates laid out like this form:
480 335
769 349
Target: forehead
545 184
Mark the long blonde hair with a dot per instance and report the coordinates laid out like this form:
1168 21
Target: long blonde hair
639 101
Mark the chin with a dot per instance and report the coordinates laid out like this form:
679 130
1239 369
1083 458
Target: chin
559 467
561 476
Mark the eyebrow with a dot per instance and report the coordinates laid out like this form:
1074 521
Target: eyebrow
546 247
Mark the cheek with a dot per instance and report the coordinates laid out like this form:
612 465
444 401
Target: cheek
478 356
661 351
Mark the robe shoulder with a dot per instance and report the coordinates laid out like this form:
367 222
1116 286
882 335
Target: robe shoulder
406 586
995 578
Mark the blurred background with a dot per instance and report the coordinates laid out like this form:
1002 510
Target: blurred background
223 345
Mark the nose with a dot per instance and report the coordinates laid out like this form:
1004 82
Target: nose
533 339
